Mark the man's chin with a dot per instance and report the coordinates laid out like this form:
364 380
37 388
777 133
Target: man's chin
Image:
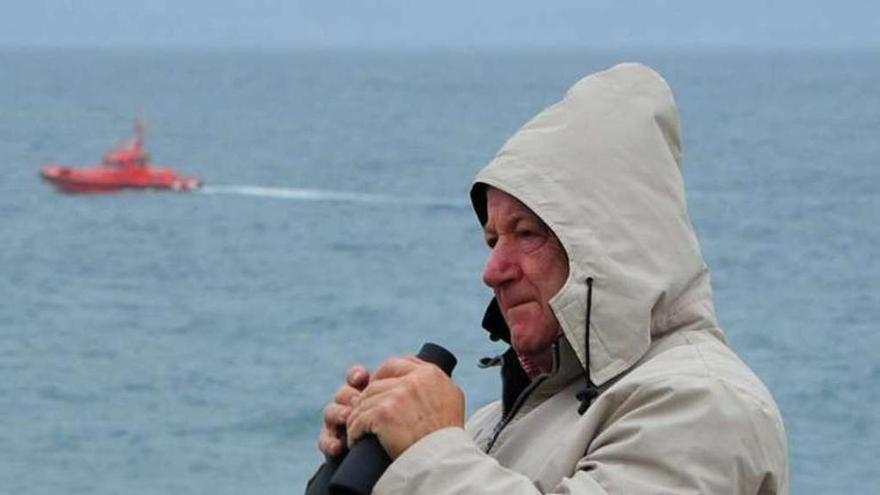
524 316
525 345
531 338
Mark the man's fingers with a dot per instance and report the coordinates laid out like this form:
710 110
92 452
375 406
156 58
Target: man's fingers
328 445
395 367
376 388
358 426
336 414
357 377
374 407
367 410
345 394
331 440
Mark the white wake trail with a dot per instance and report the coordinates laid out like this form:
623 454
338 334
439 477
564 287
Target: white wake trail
327 195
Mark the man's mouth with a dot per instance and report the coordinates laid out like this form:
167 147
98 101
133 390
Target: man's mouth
516 304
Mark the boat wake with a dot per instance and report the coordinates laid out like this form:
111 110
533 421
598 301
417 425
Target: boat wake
328 195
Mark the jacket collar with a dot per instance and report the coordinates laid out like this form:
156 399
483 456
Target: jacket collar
566 366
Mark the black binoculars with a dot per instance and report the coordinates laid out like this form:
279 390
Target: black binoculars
356 472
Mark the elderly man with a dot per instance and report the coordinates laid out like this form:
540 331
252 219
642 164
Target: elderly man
618 379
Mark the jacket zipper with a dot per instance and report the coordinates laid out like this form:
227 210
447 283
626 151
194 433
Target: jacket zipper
518 403
513 410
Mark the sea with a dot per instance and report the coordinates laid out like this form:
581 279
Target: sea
159 342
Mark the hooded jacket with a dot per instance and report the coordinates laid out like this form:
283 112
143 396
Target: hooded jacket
645 396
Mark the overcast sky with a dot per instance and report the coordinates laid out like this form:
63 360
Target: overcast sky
441 23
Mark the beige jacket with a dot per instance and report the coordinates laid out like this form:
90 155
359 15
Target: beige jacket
677 411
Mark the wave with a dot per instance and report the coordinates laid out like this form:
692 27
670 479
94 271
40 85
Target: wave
328 195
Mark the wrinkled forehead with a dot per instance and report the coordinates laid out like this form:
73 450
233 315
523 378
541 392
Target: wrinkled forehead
499 206
502 207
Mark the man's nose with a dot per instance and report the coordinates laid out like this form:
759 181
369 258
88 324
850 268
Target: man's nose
501 266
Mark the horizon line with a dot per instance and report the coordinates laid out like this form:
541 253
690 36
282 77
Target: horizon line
475 48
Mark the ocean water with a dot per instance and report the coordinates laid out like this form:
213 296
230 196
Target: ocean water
186 343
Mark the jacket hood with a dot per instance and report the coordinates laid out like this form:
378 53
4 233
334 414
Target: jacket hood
602 168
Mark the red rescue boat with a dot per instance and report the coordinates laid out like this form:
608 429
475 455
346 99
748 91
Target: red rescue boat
124 167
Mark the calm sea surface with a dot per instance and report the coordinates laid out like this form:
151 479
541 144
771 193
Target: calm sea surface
186 343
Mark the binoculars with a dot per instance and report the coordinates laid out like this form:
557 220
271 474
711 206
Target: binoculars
358 470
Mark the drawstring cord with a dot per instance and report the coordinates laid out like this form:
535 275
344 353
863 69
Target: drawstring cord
587 395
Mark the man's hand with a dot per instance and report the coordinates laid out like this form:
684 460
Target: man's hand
330 442
407 399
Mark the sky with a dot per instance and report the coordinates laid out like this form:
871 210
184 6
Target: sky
443 23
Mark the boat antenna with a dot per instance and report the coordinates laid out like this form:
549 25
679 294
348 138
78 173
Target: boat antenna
138 132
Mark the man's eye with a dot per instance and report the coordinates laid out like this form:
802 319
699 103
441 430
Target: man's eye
529 233
491 241
530 239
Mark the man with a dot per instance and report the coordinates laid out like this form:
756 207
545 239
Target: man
618 379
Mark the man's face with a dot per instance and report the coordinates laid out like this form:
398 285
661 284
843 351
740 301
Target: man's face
526 268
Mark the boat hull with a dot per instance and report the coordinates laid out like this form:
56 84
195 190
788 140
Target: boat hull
111 179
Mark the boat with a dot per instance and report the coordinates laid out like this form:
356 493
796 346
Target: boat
125 167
